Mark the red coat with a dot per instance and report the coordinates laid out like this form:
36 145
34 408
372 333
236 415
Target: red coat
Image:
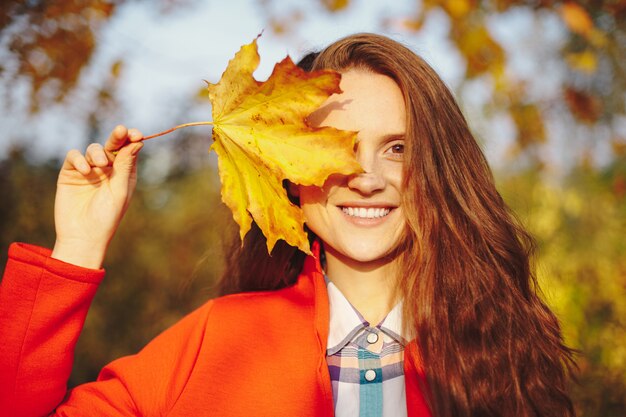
251 354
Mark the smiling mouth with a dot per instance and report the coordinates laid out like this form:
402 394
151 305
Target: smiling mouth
366 213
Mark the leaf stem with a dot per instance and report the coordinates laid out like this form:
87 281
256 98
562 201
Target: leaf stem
165 132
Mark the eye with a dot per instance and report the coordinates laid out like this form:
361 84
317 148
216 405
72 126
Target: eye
396 150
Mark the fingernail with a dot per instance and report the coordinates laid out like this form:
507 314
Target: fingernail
84 167
136 149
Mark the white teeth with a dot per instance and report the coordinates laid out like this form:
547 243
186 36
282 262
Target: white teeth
366 213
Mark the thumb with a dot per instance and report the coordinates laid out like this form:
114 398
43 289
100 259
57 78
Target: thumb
125 163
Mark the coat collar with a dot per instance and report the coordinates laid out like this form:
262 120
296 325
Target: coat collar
312 270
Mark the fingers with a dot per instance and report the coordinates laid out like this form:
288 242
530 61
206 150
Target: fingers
93 157
117 138
76 160
96 156
127 141
120 136
126 157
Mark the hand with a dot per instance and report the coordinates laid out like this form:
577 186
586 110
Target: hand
93 192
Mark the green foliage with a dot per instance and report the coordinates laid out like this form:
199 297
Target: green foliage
28 194
162 263
581 267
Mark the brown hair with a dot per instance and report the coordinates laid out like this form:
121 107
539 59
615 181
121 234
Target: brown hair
490 346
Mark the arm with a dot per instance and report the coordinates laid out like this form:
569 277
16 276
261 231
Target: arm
43 304
44 299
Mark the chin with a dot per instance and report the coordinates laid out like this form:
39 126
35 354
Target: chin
367 252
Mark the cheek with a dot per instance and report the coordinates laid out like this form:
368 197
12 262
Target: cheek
398 179
313 203
394 175
311 195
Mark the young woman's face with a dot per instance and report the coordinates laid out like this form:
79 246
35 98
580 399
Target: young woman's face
360 217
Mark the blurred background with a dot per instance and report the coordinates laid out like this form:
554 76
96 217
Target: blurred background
542 83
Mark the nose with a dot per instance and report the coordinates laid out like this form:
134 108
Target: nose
370 181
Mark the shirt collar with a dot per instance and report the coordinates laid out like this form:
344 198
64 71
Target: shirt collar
346 322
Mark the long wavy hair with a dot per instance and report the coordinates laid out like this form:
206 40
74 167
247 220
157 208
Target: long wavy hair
490 346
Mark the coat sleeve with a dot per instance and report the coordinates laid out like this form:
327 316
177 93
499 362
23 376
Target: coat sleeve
43 304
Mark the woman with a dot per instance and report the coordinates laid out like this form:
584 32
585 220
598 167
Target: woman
420 299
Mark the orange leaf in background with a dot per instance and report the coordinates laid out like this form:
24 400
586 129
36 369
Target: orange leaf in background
576 18
335 5
584 107
262 138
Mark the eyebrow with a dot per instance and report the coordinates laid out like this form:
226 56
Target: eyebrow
387 138
390 137
394 136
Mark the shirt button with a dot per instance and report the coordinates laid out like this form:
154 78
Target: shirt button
372 338
370 375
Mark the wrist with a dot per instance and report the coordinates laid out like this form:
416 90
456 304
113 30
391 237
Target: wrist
80 253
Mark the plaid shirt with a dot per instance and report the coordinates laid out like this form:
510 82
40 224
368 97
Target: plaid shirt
365 362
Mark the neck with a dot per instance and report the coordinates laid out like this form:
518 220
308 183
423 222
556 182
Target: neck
369 286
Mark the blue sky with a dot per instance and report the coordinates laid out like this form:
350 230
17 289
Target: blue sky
168 55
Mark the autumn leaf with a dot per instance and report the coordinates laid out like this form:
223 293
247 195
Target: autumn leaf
529 123
482 52
585 61
585 107
458 9
576 18
335 5
262 138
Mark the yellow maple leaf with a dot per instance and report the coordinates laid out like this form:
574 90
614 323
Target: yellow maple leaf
262 138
